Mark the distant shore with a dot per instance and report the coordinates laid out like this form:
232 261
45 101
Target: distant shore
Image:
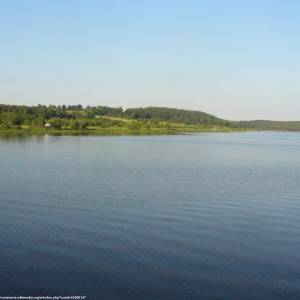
103 120
112 131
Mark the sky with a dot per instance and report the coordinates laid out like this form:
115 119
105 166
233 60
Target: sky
234 59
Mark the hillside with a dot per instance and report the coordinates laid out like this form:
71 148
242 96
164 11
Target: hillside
78 117
174 115
116 119
268 125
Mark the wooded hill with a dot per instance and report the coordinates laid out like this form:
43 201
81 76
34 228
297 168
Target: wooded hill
41 114
79 117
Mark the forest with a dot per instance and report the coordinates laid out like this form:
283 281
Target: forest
117 119
77 117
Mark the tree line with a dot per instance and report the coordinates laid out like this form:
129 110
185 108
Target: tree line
79 117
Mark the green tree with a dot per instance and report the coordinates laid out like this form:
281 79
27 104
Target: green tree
74 124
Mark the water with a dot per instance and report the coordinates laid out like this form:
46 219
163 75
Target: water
208 216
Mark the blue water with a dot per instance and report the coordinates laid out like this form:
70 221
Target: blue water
208 216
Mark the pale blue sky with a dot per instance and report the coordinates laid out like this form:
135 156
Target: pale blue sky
235 59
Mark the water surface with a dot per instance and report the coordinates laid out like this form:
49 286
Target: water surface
208 216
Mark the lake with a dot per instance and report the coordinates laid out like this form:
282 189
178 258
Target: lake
204 216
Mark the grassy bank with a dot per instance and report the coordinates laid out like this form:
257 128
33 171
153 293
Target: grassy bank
93 130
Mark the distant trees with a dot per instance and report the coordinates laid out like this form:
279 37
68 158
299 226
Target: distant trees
77 117
56 123
9 119
39 122
74 124
77 125
173 115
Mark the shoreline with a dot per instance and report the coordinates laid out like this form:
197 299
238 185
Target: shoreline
113 132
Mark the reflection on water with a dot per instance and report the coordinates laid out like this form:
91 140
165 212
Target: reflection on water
208 216
28 135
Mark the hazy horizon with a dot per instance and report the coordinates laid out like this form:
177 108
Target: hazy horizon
235 60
